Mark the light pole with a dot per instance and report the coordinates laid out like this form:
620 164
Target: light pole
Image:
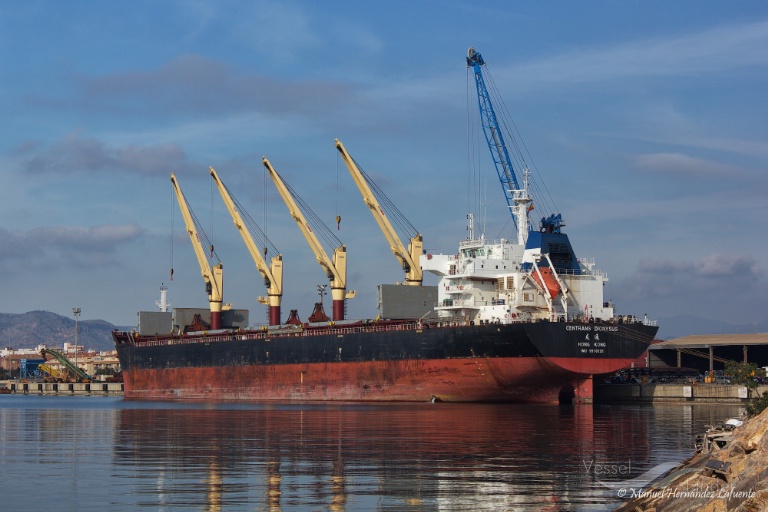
321 291
76 312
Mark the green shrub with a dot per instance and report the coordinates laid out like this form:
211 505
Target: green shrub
758 405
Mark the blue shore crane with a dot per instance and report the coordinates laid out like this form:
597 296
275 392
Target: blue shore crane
518 200
492 132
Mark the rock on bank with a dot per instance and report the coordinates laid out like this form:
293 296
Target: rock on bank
733 477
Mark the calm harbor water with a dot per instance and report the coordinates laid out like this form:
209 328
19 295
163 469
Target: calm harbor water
88 453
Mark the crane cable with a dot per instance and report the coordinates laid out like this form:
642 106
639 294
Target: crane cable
473 185
338 194
210 209
264 174
173 199
538 187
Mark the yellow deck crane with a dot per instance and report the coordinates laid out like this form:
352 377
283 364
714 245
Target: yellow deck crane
272 274
336 269
213 275
409 259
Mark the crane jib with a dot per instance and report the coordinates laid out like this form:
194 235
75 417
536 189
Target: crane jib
493 134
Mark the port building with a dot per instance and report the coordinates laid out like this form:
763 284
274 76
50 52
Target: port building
710 352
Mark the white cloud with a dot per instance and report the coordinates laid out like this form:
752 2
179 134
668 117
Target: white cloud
75 153
710 51
50 248
723 286
193 84
689 281
686 166
276 30
737 266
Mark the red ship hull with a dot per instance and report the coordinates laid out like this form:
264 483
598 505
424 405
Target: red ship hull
385 361
534 379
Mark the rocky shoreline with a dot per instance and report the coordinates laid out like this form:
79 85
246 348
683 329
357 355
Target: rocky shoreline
728 474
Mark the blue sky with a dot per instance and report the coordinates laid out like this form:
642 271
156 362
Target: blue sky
646 121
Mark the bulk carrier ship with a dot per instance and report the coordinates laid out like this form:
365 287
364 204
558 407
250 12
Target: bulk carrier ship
519 320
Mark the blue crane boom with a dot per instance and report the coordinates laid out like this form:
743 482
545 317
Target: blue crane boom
493 134
518 199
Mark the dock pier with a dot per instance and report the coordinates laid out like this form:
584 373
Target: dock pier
66 388
675 393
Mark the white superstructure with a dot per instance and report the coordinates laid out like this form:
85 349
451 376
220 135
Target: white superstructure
499 281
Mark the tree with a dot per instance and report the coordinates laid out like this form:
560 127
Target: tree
744 374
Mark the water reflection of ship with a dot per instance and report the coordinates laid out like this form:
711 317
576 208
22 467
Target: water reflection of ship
442 457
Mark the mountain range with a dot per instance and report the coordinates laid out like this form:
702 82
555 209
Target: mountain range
685 325
28 330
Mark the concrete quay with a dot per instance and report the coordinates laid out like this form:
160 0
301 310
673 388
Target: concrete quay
66 388
686 393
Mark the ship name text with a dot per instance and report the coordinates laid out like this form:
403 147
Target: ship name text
592 328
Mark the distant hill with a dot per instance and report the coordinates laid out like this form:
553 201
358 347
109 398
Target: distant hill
28 330
686 325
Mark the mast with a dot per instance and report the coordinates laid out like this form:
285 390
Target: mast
163 303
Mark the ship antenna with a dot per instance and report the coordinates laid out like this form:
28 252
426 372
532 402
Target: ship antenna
485 211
